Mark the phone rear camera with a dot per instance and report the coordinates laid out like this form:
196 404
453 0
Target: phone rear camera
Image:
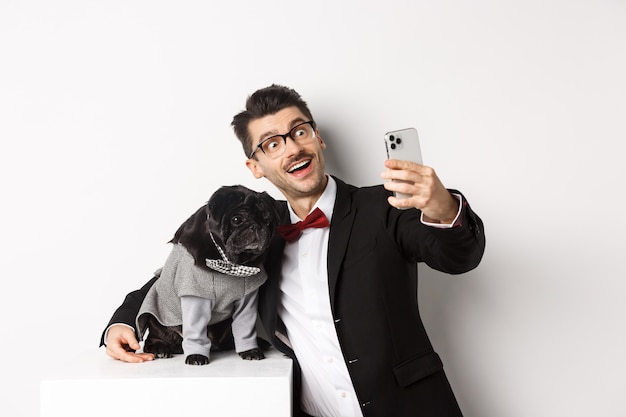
392 138
398 141
392 146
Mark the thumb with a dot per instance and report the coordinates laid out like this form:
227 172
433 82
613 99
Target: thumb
131 341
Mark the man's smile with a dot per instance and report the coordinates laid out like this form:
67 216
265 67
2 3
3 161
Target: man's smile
299 166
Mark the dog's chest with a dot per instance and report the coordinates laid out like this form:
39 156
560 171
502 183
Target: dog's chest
222 288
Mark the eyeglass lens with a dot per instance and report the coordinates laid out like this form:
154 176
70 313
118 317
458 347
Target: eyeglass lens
275 145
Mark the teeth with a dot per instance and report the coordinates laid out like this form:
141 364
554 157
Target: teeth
298 166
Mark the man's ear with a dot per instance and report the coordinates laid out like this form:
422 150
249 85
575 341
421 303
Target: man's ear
255 168
321 140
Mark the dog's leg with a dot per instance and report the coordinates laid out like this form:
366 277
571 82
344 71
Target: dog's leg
162 341
221 335
244 328
196 318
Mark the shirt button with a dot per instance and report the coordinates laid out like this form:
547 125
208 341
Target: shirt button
344 394
330 360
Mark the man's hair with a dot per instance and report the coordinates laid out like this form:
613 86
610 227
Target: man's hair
264 102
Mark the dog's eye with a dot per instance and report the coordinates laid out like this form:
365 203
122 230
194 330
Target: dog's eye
236 220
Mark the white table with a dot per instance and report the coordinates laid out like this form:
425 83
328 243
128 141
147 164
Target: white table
92 384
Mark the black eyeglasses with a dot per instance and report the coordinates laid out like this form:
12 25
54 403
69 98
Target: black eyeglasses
275 146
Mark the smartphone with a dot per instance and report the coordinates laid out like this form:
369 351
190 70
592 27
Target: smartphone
403 144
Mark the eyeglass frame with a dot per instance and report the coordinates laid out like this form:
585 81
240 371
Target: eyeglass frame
285 136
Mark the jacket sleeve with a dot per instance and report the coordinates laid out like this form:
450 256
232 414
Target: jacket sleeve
454 250
458 249
127 312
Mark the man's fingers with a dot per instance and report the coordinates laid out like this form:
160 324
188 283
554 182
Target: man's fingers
400 164
407 171
120 353
132 343
122 344
422 184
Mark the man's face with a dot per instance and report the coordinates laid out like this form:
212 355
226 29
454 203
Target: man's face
299 171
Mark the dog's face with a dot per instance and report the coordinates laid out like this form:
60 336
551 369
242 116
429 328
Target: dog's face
242 222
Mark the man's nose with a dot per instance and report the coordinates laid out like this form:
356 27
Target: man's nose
292 146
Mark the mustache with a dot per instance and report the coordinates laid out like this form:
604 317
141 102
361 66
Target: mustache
300 156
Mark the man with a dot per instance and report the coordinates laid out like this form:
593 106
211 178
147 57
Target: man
341 296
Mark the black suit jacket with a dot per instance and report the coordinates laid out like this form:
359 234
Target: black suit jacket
373 252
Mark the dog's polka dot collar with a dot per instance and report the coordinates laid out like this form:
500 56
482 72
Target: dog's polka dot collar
227 267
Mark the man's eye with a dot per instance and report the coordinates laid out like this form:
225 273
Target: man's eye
272 144
299 132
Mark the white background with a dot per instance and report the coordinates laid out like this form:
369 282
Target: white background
114 121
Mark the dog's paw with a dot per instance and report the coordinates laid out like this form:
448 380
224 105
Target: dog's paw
252 355
196 359
160 350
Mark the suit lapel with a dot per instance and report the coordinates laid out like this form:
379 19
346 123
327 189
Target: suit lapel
340 229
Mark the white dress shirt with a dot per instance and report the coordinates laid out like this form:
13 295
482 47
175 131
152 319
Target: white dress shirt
304 307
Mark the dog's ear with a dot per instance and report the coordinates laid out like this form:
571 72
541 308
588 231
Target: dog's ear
192 228
193 235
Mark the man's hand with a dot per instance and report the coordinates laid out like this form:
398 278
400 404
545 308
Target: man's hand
427 192
122 344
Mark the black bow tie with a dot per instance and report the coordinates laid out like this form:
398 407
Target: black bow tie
291 232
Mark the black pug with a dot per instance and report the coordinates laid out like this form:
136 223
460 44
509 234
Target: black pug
206 295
